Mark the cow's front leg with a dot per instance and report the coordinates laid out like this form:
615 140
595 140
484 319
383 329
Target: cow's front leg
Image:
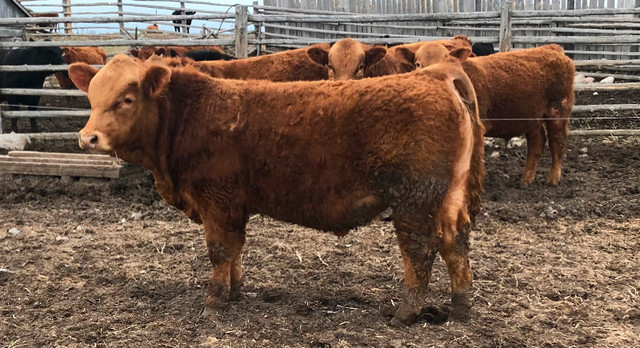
224 248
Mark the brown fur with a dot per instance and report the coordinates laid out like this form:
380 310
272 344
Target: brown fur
292 65
89 55
349 59
327 155
145 52
152 27
534 87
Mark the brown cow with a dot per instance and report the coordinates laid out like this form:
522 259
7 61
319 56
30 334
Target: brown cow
327 155
89 55
523 92
349 59
152 27
145 52
292 65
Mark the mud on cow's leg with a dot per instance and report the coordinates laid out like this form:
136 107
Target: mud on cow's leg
557 131
535 144
418 245
224 248
455 227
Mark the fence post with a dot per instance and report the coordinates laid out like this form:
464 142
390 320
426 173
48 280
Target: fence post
258 29
242 18
120 14
505 27
66 11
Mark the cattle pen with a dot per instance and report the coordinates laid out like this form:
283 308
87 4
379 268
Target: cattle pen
603 42
92 256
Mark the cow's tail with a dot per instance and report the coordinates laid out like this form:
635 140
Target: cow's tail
462 87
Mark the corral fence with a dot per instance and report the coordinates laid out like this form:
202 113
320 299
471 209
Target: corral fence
603 42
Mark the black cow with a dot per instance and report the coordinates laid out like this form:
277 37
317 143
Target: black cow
482 49
179 21
199 55
23 79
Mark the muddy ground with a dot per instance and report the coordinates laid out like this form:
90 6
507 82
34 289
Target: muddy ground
109 264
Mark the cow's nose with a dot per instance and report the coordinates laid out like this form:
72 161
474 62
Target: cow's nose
87 142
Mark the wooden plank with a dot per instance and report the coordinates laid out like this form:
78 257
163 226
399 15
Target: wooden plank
36 168
606 86
58 160
605 132
85 156
604 107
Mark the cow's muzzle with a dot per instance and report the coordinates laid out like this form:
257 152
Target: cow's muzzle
88 142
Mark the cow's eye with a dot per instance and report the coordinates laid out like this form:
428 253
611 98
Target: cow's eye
417 65
330 67
361 66
128 100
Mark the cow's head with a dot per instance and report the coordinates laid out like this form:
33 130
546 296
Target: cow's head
434 53
347 59
123 104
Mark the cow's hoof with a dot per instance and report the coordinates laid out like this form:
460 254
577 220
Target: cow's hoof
210 312
234 294
397 323
404 316
460 308
553 182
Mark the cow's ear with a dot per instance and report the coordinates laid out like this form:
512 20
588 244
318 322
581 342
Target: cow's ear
65 51
81 75
161 51
374 55
155 80
462 53
318 55
406 53
134 52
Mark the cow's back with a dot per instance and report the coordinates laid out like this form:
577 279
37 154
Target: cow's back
311 152
508 86
293 65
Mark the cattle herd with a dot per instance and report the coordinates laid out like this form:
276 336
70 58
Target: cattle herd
398 127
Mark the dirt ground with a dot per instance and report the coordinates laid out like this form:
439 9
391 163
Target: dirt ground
109 264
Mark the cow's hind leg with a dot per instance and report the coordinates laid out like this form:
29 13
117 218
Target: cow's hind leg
455 226
535 144
557 130
224 248
418 243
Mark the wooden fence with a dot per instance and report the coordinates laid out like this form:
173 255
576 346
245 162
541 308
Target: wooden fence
585 34
437 6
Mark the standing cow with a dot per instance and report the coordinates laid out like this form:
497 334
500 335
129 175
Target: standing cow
182 21
35 79
526 92
291 65
89 55
327 155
